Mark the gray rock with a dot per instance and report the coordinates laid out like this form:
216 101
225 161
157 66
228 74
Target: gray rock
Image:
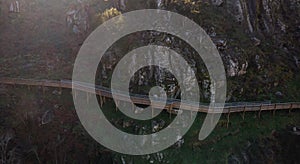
211 32
256 41
155 126
233 68
297 61
245 157
127 124
221 44
233 159
56 92
243 69
235 8
294 129
161 123
248 144
217 2
56 106
47 117
282 26
257 61
179 143
279 94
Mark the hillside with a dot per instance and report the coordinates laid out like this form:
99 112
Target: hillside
258 40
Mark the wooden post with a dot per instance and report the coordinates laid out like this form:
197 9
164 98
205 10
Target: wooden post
152 112
259 111
117 103
87 97
43 87
104 99
101 101
15 85
244 112
228 115
60 88
170 110
133 106
75 94
274 110
291 107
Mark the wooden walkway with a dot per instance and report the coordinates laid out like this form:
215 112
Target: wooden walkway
171 105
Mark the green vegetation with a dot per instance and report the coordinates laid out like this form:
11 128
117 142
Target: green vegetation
65 136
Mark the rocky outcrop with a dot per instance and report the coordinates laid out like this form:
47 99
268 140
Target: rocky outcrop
251 35
264 16
236 69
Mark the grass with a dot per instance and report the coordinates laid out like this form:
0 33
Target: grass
214 149
225 141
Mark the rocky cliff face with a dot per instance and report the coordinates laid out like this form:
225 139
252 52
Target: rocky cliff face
266 17
274 29
273 20
258 40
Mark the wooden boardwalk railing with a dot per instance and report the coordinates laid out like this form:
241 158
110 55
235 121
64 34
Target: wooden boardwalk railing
171 105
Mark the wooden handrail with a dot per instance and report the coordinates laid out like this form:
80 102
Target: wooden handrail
142 99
